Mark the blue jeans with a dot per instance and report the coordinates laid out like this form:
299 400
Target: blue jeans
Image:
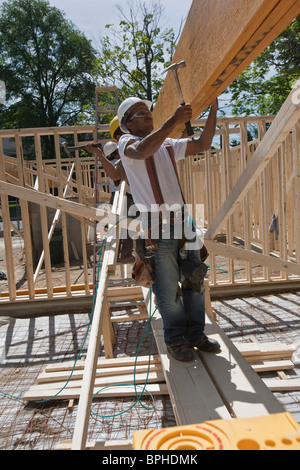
183 320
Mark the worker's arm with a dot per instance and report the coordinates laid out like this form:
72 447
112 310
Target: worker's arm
143 149
204 142
108 167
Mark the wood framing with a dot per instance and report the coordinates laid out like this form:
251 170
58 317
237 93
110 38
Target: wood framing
220 39
286 119
276 191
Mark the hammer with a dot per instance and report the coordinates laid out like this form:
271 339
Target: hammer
174 68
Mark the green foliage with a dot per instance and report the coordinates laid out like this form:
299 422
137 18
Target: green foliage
46 64
264 86
133 55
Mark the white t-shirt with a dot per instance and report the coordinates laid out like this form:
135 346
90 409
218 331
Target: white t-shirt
138 178
113 187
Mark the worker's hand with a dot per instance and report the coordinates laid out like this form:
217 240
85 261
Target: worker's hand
90 148
183 113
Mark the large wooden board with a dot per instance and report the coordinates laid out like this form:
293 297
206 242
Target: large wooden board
220 385
219 40
286 119
240 386
193 395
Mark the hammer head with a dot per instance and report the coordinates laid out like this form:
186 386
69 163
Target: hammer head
174 67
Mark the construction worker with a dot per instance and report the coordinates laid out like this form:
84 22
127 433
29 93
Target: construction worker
114 129
110 160
145 153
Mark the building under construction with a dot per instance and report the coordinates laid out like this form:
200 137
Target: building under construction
83 361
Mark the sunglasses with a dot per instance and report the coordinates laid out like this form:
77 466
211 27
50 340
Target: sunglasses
139 114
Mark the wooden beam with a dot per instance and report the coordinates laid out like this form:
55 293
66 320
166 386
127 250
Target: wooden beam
289 385
53 225
48 200
7 231
99 445
29 132
227 383
112 393
239 385
63 376
219 40
86 395
286 119
193 395
233 252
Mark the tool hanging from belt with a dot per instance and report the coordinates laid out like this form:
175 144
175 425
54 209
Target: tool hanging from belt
193 269
142 271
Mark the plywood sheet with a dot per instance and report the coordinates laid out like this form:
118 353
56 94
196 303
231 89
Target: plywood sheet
219 40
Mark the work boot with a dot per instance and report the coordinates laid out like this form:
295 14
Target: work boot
181 352
207 345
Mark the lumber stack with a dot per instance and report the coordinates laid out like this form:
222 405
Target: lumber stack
272 356
219 41
272 352
112 375
54 381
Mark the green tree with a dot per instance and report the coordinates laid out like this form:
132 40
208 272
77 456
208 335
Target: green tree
46 64
264 86
134 54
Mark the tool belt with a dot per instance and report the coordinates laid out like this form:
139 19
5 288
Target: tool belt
143 272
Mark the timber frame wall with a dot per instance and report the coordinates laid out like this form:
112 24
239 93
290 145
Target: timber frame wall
208 180
64 184
240 188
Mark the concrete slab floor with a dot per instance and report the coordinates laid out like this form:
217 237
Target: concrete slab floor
28 345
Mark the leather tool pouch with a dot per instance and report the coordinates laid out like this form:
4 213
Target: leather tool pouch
142 270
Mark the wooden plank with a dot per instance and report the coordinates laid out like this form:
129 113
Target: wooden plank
29 132
43 215
268 366
124 293
267 357
25 221
82 420
99 445
47 377
103 381
238 384
129 317
53 226
216 53
271 348
289 385
115 392
103 363
234 252
286 119
7 232
63 217
193 395
55 202
79 178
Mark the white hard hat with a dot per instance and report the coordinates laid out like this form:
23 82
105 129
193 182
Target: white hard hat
110 148
125 107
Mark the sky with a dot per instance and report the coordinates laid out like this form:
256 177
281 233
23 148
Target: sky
91 16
